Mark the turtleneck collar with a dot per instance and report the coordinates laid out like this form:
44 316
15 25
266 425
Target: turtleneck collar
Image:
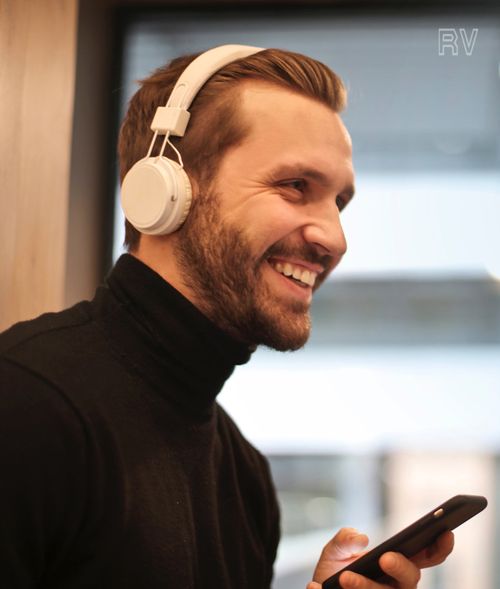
164 336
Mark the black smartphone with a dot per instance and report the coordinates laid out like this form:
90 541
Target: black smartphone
415 537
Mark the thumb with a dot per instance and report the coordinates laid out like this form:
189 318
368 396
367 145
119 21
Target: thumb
347 543
342 549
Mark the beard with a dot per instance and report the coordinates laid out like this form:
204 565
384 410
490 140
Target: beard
217 264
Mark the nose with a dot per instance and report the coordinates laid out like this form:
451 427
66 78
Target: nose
324 231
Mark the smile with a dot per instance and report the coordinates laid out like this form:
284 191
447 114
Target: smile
295 273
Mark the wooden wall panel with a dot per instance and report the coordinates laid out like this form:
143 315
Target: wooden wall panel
37 71
91 198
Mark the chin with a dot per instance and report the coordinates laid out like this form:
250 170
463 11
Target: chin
286 338
286 346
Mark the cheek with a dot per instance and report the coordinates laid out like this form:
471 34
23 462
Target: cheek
268 224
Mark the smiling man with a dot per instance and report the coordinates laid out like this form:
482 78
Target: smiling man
119 467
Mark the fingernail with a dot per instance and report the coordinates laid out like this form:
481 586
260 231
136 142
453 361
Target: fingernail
356 543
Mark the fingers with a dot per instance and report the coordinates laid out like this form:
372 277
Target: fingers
340 551
348 542
350 580
400 569
404 573
436 553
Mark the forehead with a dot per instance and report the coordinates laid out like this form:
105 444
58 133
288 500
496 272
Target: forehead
284 127
268 107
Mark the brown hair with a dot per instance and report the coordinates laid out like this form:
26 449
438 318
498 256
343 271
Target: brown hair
214 125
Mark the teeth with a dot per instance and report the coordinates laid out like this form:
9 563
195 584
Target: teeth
306 276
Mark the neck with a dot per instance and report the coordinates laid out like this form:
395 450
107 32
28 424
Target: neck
165 337
159 254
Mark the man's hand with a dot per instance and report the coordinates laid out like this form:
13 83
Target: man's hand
347 545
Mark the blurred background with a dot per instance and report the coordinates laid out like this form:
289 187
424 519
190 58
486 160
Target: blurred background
394 404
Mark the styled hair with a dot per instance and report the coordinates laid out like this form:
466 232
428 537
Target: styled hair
215 124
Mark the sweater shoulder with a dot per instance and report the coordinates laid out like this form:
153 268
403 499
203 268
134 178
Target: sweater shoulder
63 348
47 329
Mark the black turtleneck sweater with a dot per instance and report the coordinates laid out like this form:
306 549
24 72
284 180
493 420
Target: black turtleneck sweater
118 467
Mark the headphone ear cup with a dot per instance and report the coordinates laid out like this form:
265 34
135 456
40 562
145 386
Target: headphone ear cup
156 195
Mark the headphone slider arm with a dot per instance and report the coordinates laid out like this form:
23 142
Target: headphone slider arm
171 120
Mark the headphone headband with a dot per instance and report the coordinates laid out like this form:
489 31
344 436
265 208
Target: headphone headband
156 192
172 119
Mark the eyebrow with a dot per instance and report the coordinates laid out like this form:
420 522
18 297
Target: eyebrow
311 174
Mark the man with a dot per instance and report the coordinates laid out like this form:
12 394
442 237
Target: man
120 469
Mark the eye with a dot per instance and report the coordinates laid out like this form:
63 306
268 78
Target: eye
297 184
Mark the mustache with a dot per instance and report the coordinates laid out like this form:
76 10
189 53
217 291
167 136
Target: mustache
306 252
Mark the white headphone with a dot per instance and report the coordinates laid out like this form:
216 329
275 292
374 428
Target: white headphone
156 191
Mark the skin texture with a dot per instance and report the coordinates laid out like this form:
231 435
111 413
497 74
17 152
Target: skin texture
276 197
